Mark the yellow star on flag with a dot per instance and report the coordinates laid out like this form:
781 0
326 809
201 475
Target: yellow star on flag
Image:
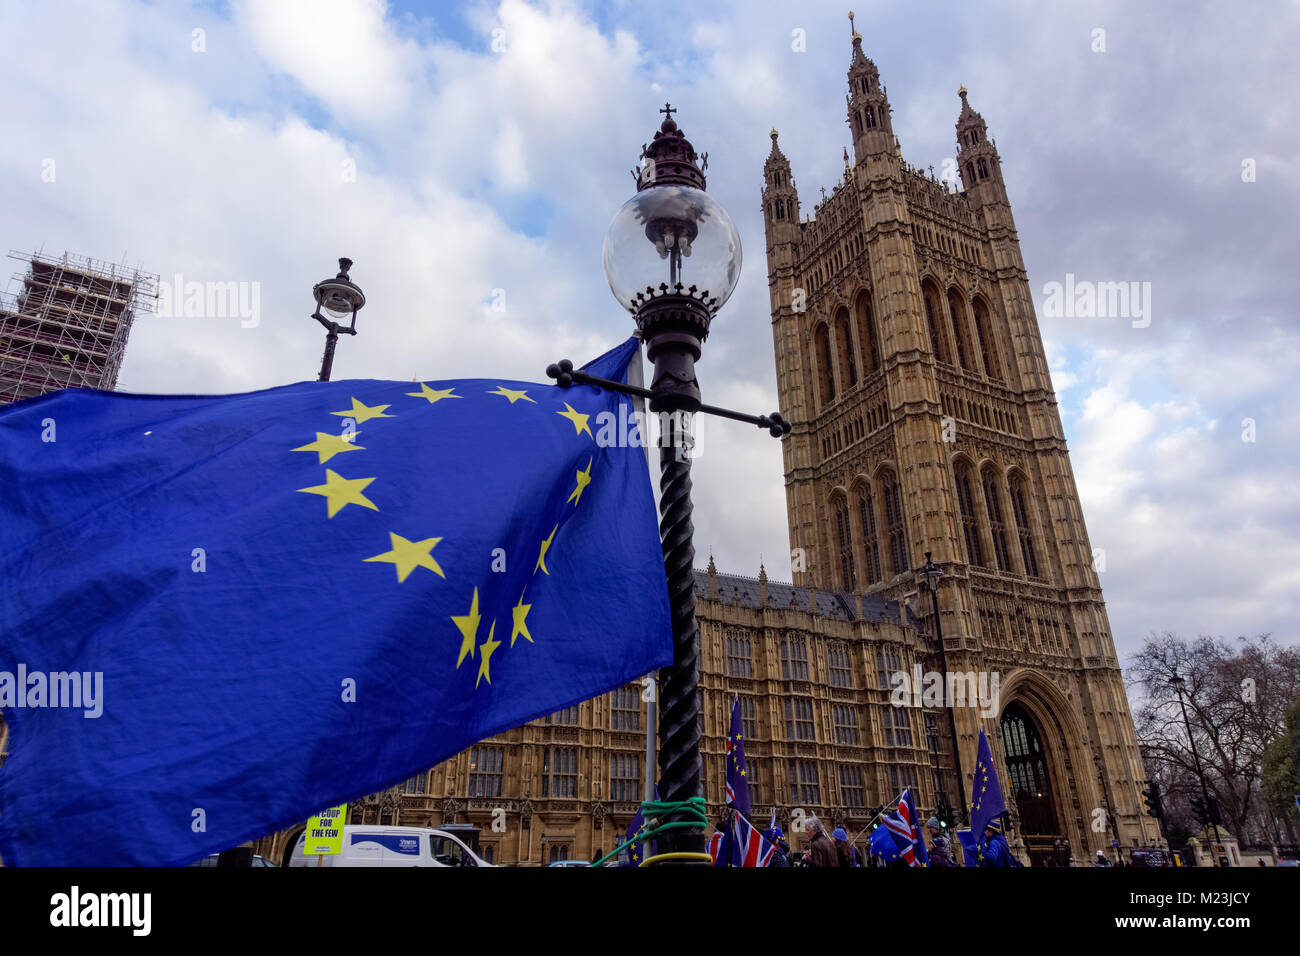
433 394
467 624
327 446
406 556
579 420
584 479
487 647
541 556
514 396
363 413
520 614
340 492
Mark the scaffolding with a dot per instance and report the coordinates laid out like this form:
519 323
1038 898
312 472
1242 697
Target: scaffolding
68 324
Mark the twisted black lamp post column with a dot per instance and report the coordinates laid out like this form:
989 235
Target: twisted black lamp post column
669 221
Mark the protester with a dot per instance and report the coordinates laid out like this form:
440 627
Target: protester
821 851
1101 860
774 836
940 854
994 850
845 852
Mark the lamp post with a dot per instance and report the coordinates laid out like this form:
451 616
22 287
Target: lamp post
930 574
339 297
1179 686
1110 810
672 258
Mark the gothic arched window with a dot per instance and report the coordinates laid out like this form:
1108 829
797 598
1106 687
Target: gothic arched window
822 347
870 115
988 344
844 343
844 532
970 527
1021 514
957 305
938 341
894 524
983 168
997 527
867 521
867 337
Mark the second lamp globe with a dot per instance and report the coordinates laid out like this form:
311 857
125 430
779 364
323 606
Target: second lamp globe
670 234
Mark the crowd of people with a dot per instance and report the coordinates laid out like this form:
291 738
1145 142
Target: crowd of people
836 849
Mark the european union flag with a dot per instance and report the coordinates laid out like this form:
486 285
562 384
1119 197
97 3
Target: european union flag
986 801
223 613
737 775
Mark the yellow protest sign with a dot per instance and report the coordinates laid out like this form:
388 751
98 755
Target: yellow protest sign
324 833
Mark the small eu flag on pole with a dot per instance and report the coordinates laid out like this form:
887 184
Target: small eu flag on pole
737 775
986 801
222 613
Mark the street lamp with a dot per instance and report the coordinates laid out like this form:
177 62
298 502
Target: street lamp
1179 686
1110 810
338 297
672 257
930 574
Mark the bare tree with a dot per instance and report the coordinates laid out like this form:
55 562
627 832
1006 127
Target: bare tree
1236 702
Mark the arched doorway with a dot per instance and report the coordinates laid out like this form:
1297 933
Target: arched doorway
1029 781
287 853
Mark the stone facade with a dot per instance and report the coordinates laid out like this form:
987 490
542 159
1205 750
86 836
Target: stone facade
909 356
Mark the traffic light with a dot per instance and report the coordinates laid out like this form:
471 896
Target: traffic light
1213 810
1198 809
944 813
1151 797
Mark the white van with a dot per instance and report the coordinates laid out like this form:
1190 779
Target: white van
391 846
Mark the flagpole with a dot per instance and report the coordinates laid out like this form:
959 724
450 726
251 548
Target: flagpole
635 377
878 816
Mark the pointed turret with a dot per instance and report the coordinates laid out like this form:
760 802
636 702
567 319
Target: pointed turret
780 198
977 157
868 105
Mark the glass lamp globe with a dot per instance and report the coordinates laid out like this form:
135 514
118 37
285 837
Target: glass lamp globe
669 235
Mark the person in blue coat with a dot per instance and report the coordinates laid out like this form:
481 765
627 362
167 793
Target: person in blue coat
994 850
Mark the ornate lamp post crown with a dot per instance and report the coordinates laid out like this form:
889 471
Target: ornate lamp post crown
672 258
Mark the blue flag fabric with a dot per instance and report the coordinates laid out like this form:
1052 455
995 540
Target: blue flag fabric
969 848
221 614
638 826
986 801
737 775
883 841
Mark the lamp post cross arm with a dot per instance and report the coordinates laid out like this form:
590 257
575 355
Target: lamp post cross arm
566 375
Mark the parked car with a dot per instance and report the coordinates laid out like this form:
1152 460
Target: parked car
211 860
392 846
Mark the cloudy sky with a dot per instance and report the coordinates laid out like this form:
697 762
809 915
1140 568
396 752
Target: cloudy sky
472 155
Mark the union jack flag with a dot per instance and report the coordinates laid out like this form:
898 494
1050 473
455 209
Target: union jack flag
739 844
903 828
